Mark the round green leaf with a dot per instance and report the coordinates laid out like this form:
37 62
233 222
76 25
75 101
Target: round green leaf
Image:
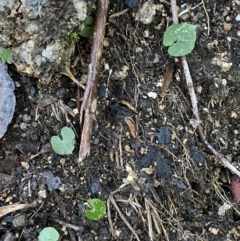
86 32
48 234
98 210
64 146
181 38
89 21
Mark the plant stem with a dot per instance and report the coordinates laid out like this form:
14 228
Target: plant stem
194 102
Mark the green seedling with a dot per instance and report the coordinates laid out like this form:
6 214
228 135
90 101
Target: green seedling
63 42
48 234
94 7
5 56
87 30
98 209
64 146
73 38
180 38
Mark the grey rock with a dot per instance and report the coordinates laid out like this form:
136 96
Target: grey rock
9 237
34 29
7 100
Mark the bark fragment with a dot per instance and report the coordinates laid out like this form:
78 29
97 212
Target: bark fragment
89 102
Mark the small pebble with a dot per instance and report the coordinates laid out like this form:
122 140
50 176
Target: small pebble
233 114
146 13
19 221
152 95
42 194
225 207
23 126
227 26
238 17
146 33
25 165
62 161
131 3
26 118
9 237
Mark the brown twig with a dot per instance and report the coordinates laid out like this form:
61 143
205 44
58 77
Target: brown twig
193 97
89 103
205 10
112 200
174 12
167 79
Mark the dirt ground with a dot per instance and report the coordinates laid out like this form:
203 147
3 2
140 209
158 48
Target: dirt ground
147 162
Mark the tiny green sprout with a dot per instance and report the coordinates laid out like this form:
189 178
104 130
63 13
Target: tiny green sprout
64 146
63 42
5 56
48 234
87 29
180 38
73 38
94 7
98 209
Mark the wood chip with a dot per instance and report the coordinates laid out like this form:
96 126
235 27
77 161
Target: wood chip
12 208
124 102
131 126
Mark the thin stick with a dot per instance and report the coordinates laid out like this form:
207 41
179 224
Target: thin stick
205 10
193 97
149 219
89 103
69 74
111 198
174 12
79 229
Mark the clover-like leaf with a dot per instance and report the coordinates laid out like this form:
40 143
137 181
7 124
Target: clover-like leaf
48 234
87 30
98 210
5 56
89 20
181 38
64 146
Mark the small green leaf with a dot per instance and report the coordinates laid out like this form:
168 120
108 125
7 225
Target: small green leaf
89 21
98 210
86 32
5 55
181 38
94 7
64 146
48 234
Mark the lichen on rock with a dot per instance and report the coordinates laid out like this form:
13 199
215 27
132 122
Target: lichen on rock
33 30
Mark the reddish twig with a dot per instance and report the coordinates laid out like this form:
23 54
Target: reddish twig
89 103
193 97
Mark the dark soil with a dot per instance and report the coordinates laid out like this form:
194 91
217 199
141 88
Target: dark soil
147 162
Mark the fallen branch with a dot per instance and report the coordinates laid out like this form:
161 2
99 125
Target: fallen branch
89 102
193 97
